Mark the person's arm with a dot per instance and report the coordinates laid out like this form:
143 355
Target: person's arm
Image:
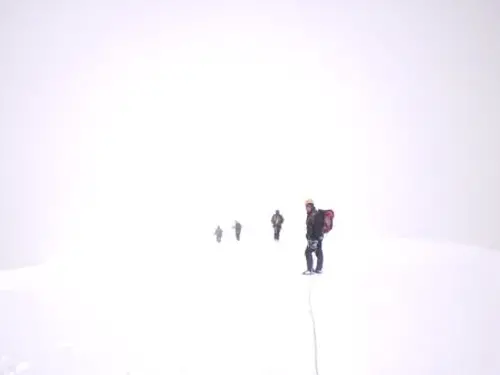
310 231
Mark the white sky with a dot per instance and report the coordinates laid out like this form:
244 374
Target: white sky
116 120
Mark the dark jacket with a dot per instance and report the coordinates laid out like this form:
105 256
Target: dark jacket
277 220
218 232
314 225
237 227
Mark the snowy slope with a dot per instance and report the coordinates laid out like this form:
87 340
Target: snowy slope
408 307
239 308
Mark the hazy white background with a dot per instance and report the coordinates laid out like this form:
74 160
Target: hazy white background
117 119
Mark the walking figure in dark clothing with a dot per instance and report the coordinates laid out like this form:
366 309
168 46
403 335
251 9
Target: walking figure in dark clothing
314 235
277 221
237 230
218 233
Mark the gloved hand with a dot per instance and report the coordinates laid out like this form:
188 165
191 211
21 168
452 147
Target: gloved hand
312 244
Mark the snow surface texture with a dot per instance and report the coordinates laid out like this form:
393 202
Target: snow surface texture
381 307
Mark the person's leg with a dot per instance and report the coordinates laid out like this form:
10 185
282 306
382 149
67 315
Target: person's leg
309 258
319 256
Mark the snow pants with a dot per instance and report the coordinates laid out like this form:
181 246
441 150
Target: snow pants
277 230
319 256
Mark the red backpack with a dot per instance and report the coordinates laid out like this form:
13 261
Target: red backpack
328 216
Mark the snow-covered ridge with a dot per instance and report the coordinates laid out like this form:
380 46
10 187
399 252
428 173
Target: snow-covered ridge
382 306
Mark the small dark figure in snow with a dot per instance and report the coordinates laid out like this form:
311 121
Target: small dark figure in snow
314 236
277 221
218 233
237 230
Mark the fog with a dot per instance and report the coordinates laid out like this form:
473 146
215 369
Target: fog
118 120
128 131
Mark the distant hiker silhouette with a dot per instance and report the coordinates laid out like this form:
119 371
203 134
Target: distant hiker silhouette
218 234
277 221
237 230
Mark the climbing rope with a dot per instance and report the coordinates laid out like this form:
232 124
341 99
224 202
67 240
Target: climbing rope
315 340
